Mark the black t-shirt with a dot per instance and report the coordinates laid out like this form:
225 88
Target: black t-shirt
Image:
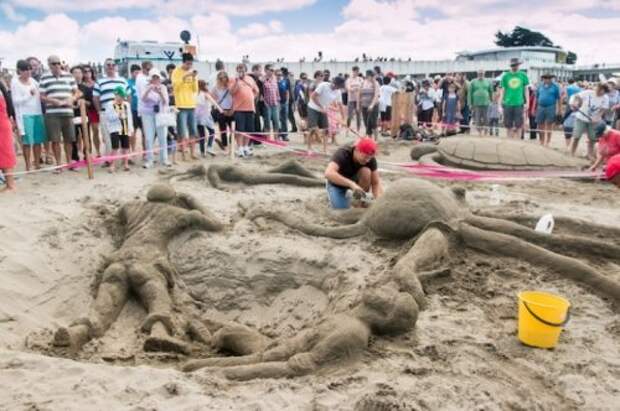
347 167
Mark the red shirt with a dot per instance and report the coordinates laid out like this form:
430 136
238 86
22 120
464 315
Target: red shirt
609 144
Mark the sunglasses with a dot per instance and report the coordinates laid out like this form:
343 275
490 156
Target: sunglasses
55 63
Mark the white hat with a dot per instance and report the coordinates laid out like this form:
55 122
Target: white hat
154 72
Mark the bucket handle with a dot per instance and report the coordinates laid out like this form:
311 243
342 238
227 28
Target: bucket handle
550 324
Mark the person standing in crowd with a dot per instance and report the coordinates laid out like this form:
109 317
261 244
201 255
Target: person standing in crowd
78 144
219 68
154 99
244 91
89 83
204 119
531 112
321 99
353 167
548 107
369 102
8 159
135 71
611 116
353 86
36 68
120 126
378 75
58 92
223 98
451 110
28 114
591 106
608 141
385 101
301 99
514 98
291 102
142 82
172 130
495 110
104 94
317 79
284 88
463 93
185 88
572 89
426 104
271 97
257 76
479 99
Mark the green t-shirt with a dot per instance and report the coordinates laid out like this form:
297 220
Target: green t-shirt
480 92
514 84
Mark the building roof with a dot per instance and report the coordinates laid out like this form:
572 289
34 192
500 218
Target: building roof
502 49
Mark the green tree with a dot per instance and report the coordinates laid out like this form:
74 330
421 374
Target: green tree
521 36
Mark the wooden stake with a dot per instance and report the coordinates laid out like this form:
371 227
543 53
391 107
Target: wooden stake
86 140
233 141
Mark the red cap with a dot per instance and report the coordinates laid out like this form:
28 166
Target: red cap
391 74
366 146
613 167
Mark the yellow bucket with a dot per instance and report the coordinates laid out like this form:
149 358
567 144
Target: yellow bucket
541 318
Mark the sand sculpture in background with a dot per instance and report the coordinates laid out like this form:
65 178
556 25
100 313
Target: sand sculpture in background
388 307
411 206
290 172
489 153
141 267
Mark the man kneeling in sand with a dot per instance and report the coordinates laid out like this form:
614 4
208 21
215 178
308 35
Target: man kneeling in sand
141 267
353 168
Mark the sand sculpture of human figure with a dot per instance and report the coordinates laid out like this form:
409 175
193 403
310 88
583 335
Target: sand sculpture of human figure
290 172
140 266
388 307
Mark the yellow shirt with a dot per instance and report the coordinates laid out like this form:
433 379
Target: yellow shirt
185 90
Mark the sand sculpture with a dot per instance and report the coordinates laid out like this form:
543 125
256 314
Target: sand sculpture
490 153
290 172
389 306
412 206
140 267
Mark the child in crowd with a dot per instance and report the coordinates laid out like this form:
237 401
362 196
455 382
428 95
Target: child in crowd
568 125
120 126
385 102
451 110
204 118
494 112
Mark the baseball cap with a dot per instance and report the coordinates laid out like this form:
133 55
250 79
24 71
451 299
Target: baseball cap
366 146
613 167
154 72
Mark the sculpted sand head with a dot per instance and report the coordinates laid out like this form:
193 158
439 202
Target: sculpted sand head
387 311
161 193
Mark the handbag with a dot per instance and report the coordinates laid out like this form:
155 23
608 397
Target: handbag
215 113
166 118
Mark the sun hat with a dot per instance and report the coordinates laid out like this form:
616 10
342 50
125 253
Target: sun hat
366 146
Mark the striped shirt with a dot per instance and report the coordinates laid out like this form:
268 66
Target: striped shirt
61 88
105 86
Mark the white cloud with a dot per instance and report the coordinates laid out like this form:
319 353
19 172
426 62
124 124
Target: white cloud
394 28
10 13
168 7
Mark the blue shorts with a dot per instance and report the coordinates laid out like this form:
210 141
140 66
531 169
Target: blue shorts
337 196
545 115
186 123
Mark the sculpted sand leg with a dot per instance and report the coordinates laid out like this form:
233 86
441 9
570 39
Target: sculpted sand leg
141 266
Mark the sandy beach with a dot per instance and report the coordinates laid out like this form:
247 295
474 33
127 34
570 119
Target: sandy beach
462 355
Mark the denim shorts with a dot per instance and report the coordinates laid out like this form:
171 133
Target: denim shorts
186 123
545 115
337 196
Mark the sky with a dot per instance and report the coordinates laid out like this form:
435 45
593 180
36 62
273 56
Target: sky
87 30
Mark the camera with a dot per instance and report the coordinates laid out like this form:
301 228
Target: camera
156 108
